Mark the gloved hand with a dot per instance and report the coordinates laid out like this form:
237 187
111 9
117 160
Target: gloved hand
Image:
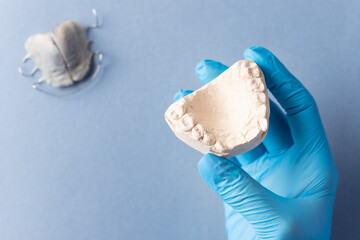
285 187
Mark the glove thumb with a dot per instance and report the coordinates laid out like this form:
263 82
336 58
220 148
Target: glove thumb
263 209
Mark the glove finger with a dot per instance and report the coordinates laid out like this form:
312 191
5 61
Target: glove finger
300 106
181 93
250 156
278 136
237 227
208 70
263 209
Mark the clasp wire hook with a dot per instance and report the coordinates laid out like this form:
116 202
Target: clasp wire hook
96 25
21 71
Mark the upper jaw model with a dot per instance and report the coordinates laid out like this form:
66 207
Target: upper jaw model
226 117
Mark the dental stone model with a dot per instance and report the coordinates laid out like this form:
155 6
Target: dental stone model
228 116
62 55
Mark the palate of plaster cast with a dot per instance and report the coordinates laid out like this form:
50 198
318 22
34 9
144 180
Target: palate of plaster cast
227 116
62 55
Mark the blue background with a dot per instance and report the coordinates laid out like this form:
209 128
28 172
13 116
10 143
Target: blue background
103 164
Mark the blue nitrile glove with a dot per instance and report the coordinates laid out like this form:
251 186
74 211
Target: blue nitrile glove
285 187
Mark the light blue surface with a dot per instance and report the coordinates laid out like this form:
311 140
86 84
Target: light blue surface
103 164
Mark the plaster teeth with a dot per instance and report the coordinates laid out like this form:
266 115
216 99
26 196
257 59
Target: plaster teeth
261 110
255 85
177 110
251 134
186 123
246 72
254 122
258 98
255 72
263 124
208 139
219 148
249 64
250 70
234 140
198 132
